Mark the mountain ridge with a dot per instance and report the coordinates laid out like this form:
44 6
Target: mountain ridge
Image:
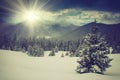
109 31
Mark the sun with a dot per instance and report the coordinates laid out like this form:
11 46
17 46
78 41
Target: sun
28 12
31 16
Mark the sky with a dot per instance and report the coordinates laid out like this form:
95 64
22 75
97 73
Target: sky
66 12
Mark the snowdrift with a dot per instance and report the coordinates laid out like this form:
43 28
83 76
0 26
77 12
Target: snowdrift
19 66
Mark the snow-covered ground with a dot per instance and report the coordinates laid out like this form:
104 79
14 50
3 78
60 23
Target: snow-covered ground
19 66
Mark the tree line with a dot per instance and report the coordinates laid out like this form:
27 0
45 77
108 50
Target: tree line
15 44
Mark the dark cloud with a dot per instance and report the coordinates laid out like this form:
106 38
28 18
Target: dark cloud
103 5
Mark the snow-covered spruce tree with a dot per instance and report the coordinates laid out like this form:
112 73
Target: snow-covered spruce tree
39 52
52 53
77 53
56 49
66 54
62 55
35 51
93 55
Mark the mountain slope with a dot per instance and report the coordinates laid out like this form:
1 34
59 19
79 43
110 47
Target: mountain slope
21 31
111 32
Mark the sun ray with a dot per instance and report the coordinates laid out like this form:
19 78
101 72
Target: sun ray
29 9
29 13
44 4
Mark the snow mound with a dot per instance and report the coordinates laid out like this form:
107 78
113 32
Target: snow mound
19 66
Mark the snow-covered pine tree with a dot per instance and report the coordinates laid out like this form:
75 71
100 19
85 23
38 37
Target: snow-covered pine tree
77 53
30 50
56 49
52 53
62 55
35 51
66 54
41 50
93 57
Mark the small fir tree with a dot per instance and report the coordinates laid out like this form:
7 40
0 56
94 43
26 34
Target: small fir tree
66 54
93 57
35 51
52 53
30 50
62 55
41 51
72 54
56 49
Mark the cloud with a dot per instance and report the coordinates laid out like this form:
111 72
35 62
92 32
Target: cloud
77 17
80 17
67 13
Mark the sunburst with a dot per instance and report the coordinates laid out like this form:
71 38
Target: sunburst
28 12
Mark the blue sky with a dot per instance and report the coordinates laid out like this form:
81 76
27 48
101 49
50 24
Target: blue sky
75 12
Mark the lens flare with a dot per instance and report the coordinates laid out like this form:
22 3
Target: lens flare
28 12
30 16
